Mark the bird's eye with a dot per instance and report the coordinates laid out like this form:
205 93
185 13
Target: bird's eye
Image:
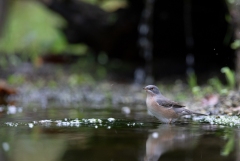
151 88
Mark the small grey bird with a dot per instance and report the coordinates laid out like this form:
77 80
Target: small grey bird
164 109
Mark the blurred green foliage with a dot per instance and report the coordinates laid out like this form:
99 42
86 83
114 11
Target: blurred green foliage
76 79
16 79
32 30
217 85
214 84
230 77
108 5
192 80
229 146
235 45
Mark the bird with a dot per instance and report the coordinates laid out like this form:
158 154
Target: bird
164 109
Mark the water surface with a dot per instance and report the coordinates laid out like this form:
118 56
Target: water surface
70 134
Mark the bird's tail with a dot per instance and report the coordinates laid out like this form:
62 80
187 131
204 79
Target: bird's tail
197 113
184 111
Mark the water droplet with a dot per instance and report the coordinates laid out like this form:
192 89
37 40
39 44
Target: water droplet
111 119
5 146
12 110
143 29
30 125
190 59
155 135
126 110
92 120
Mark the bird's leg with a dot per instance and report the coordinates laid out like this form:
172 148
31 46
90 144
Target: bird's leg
170 121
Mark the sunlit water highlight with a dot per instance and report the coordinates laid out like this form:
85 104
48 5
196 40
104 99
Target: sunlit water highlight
93 122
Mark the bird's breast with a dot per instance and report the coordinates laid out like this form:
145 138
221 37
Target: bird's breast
148 101
152 103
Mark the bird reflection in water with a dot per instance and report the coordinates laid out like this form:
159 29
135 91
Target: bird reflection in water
168 138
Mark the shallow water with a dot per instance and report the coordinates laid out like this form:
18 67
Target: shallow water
70 134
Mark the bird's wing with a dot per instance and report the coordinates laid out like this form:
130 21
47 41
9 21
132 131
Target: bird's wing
167 103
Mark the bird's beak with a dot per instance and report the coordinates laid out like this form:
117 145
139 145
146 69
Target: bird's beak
144 88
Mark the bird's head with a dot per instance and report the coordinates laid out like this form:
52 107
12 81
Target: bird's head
152 90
